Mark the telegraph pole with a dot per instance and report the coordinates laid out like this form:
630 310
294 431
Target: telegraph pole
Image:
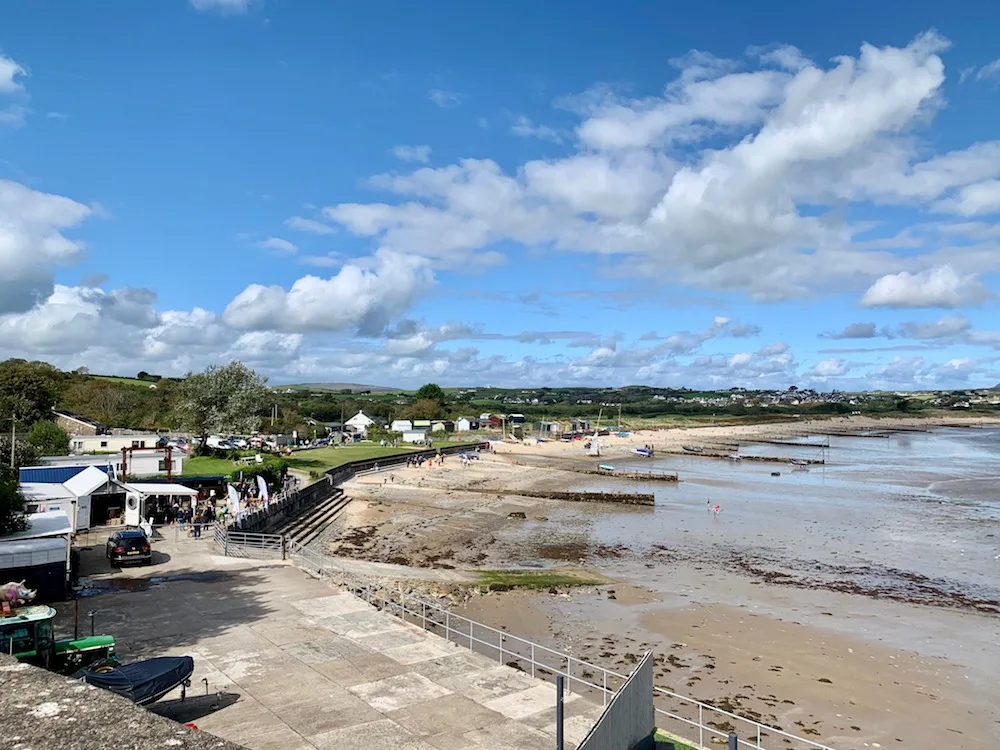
13 433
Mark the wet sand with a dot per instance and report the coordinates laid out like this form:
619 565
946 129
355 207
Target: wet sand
820 617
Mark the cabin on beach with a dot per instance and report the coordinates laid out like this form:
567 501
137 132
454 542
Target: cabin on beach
466 424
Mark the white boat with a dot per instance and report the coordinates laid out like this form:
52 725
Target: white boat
734 457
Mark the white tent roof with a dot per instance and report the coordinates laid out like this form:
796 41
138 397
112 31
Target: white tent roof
41 492
53 523
87 481
162 488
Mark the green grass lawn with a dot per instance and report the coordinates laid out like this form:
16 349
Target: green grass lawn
321 459
200 466
660 734
535 579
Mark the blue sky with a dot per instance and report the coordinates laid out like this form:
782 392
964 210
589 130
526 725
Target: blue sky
516 193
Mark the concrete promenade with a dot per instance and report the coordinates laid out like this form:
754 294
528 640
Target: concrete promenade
283 660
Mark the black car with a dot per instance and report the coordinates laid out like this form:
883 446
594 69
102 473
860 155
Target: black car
129 546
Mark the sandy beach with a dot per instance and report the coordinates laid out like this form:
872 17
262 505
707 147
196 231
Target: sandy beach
803 615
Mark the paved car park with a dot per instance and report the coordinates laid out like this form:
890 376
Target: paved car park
283 660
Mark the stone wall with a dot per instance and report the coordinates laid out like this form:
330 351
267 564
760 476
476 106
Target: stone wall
45 711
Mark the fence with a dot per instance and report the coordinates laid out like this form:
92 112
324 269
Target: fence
676 713
285 506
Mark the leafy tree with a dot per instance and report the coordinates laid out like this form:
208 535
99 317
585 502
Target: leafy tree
424 408
25 454
431 392
11 502
226 399
49 438
28 390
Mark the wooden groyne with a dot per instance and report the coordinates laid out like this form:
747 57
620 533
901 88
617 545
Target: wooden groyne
639 476
743 457
787 441
622 498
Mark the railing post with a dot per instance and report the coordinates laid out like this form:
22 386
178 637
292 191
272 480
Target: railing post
605 692
758 737
423 614
701 726
447 625
560 680
532 660
569 674
734 741
284 552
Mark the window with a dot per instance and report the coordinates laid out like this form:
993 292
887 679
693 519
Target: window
135 443
16 639
162 465
104 443
142 443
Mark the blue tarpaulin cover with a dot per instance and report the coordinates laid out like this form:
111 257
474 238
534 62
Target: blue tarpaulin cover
142 682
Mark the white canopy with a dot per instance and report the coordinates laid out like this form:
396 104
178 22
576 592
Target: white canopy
163 488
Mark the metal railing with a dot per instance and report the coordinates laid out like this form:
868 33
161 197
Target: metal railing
245 544
685 717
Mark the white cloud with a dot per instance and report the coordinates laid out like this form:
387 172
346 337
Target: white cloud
831 368
226 7
277 243
973 200
32 241
985 72
361 297
935 287
948 326
420 154
312 226
524 127
804 139
10 71
444 99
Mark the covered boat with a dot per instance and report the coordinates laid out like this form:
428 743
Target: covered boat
142 682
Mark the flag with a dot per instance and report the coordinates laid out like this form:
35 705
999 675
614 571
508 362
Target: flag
234 501
262 486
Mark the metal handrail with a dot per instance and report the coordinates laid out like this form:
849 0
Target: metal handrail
402 604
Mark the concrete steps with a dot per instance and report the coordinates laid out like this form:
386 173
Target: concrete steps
308 526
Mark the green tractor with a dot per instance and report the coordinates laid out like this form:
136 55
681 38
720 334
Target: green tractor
27 634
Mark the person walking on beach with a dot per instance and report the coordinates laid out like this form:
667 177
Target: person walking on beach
717 510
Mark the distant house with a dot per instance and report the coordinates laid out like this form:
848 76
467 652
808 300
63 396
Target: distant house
442 425
360 423
415 436
495 421
401 425
485 418
549 428
74 424
465 424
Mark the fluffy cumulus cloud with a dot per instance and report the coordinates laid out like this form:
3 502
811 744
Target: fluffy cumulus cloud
646 184
359 298
936 287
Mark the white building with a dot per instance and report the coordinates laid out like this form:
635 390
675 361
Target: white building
401 425
415 436
360 423
148 463
111 443
465 424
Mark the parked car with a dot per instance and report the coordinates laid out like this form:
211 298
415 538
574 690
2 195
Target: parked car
129 546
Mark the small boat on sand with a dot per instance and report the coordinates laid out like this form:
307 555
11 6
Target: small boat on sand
606 467
644 452
734 457
693 448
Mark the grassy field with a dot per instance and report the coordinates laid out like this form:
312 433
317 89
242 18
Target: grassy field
201 466
125 381
535 579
